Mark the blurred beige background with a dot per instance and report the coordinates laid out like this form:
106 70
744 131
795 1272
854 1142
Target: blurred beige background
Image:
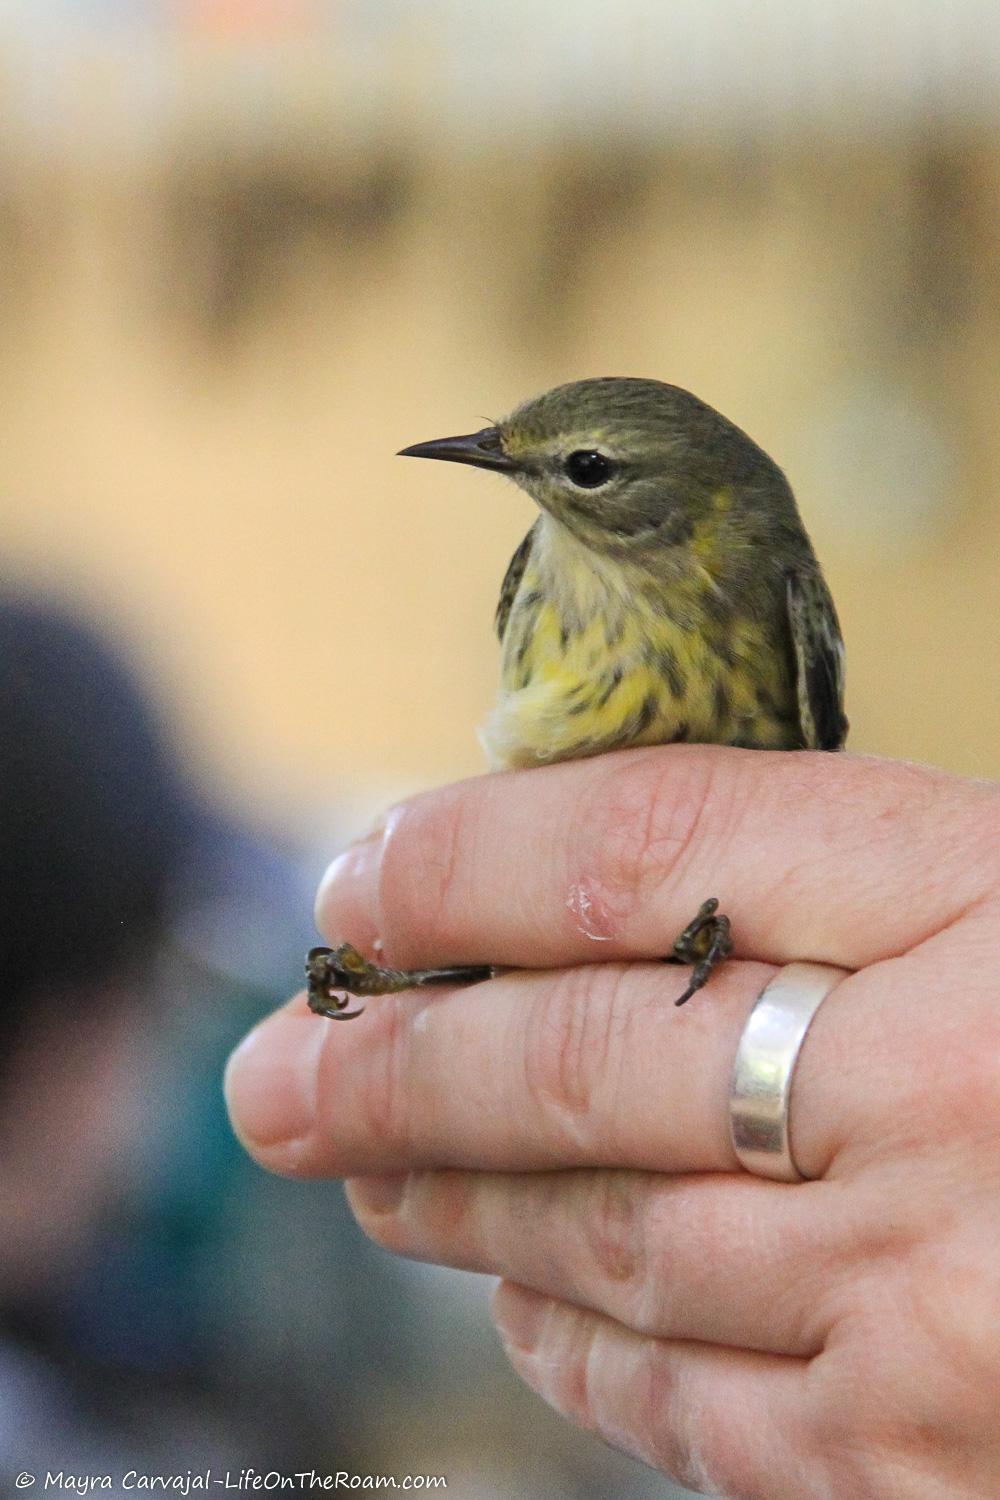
249 250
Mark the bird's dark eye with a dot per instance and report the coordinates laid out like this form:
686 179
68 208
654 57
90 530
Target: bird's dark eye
589 469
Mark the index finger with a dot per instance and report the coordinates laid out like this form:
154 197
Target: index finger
833 858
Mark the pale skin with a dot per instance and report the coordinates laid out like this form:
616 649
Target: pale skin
566 1129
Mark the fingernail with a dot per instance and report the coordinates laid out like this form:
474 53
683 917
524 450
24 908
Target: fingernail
351 880
378 1195
271 1080
519 1316
373 833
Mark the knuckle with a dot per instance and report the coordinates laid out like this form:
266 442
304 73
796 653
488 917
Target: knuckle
661 1426
386 1096
574 1343
932 1390
614 1232
942 1300
708 1451
640 819
569 1045
969 1099
698 1438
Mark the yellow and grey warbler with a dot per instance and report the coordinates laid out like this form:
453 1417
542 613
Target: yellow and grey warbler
667 591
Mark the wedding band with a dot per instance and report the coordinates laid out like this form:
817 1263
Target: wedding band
765 1064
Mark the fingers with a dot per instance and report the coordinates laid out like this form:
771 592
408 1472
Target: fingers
813 856
720 1421
730 1260
531 1070
526 1071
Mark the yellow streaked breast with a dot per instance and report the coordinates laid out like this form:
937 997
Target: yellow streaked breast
590 664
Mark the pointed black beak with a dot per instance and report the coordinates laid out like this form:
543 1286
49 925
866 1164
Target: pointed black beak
480 448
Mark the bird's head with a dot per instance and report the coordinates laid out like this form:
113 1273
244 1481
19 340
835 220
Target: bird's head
624 464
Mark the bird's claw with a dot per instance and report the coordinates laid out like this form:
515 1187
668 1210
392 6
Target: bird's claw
329 970
705 942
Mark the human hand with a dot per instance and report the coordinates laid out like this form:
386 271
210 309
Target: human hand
567 1129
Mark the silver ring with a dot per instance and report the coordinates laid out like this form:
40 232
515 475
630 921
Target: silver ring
765 1064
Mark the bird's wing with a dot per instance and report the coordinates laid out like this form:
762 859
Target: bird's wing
512 580
819 660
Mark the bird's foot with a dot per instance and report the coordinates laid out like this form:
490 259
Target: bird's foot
706 942
334 973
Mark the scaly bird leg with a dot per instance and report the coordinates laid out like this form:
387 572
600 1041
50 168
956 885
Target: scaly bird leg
705 942
329 970
334 973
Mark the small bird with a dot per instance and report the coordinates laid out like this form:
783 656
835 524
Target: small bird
667 592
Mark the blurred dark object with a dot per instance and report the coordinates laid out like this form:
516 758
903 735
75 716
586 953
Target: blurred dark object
163 1303
118 1161
93 819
